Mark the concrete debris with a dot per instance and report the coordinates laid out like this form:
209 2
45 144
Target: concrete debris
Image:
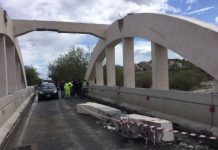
134 127
193 147
130 126
111 128
156 122
99 111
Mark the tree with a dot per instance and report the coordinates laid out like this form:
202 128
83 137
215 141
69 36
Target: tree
32 75
69 66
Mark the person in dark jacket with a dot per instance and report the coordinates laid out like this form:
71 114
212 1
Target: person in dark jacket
75 87
80 86
85 88
62 88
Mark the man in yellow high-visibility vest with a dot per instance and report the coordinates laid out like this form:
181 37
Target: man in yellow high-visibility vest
67 90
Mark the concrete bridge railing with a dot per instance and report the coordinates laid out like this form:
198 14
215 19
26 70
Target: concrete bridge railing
191 110
11 108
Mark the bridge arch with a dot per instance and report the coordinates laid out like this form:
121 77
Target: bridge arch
12 74
192 39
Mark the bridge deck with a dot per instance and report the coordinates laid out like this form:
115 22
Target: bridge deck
55 125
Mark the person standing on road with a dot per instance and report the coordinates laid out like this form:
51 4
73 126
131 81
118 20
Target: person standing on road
71 90
80 88
62 88
67 89
75 87
85 87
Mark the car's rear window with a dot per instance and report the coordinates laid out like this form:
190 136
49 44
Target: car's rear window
47 86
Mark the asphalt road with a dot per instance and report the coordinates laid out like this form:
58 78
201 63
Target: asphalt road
55 125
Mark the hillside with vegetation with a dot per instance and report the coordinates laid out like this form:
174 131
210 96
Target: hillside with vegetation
183 75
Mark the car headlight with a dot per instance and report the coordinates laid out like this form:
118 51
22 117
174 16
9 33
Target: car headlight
40 92
55 91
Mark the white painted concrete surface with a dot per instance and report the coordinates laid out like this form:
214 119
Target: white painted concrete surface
162 123
190 110
11 69
110 66
128 63
25 26
11 108
197 40
8 42
3 64
99 73
160 77
98 110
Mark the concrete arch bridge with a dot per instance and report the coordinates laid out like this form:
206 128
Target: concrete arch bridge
192 39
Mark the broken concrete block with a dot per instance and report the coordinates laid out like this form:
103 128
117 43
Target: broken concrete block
98 110
167 135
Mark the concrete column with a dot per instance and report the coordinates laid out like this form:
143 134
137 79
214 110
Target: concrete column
11 68
160 78
18 73
128 63
91 79
3 67
110 62
23 85
215 90
99 73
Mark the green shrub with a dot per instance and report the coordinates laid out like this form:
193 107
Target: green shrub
186 79
143 79
119 75
183 79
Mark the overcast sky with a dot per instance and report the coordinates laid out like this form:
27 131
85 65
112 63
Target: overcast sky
40 48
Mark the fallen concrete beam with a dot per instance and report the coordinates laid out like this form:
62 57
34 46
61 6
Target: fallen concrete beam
106 113
165 125
98 110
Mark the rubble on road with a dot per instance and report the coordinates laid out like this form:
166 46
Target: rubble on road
156 122
135 126
130 125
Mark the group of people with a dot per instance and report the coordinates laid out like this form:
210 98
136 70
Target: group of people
73 88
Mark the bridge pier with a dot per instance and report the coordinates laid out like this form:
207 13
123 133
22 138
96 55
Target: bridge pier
99 73
128 63
23 85
18 72
160 78
91 79
11 69
110 62
3 66
216 87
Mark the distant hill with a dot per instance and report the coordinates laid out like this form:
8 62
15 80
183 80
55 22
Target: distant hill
143 66
183 75
174 64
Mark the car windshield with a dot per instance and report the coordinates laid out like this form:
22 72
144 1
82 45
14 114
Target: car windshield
47 86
